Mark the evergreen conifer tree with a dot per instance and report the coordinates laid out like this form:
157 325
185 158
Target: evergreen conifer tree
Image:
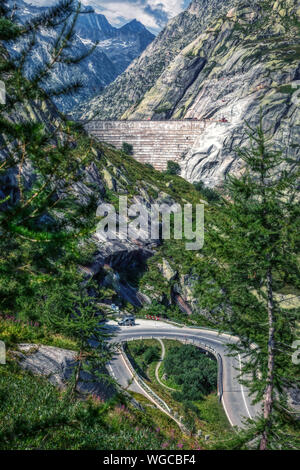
252 248
45 223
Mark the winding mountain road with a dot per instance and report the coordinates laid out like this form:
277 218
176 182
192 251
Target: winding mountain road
235 399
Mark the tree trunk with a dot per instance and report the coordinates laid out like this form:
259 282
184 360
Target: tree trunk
268 398
77 374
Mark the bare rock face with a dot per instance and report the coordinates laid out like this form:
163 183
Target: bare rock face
47 361
167 271
247 61
57 365
123 95
242 62
115 49
259 74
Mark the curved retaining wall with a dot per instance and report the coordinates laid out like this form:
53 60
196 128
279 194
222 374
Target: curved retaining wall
154 142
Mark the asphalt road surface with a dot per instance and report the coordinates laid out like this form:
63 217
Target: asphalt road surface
235 400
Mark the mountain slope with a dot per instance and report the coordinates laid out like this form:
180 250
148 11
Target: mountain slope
106 174
247 59
116 49
141 75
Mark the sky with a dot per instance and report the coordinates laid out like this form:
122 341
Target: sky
154 14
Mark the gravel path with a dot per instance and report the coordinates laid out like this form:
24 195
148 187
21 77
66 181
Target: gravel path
163 352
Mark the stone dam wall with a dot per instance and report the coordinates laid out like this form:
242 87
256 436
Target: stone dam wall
154 142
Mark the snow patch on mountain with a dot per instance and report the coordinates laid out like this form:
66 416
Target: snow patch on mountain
116 49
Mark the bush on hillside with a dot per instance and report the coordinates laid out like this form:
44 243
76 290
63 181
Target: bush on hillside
210 194
127 148
173 168
151 355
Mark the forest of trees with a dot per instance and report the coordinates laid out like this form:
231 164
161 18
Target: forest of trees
193 370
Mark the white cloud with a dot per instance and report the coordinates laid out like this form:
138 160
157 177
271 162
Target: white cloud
117 12
152 13
171 7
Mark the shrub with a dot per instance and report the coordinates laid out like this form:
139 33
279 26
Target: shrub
140 348
151 355
156 309
127 148
14 331
173 168
210 194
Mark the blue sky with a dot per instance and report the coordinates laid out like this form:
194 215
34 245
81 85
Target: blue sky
152 13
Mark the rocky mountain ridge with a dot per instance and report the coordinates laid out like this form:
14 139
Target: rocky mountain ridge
129 88
245 62
116 49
